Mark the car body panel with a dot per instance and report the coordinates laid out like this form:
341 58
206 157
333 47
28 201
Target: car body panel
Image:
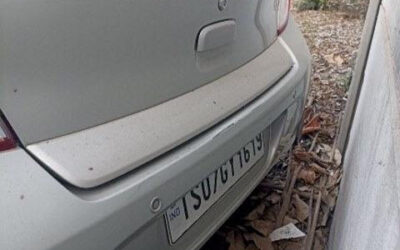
94 156
39 211
68 65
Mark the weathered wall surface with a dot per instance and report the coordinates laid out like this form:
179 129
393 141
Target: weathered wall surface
368 211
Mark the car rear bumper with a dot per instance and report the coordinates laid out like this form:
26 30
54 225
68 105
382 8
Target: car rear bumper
42 212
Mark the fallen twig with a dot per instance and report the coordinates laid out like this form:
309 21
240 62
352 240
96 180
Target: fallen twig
310 130
310 204
319 169
314 141
310 236
306 195
325 217
287 197
336 137
312 126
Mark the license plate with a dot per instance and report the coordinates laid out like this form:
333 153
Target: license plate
187 210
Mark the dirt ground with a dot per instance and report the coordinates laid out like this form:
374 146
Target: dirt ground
293 206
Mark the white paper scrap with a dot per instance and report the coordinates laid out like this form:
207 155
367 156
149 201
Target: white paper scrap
290 231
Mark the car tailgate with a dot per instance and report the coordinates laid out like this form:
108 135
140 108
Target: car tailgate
69 65
94 156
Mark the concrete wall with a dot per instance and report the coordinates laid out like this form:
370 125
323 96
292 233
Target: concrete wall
367 215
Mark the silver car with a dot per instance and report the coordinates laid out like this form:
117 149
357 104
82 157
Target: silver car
140 124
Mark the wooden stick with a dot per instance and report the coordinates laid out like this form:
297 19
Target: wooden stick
310 204
287 197
314 141
289 171
326 210
310 130
272 186
310 239
336 137
306 195
319 169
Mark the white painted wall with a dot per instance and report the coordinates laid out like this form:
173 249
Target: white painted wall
368 211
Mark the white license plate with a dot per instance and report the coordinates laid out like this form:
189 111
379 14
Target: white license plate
187 210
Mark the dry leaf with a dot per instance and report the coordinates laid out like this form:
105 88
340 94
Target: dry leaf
258 196
335 192
251 246
318 241
291 245
313 125
325 215
274 198
271 213
319 160
302 209
309 130
322 182
304 189
302 155
332 179
339 176
329 199
291 213
338 60
325 148
329 132
247 236
329 58
241 228
238 242
263 227
334 59
256 213
337 158
319 169
307 175
288 220
262 243
230 237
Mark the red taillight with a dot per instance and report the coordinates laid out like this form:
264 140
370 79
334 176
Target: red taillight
283 15
7 139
